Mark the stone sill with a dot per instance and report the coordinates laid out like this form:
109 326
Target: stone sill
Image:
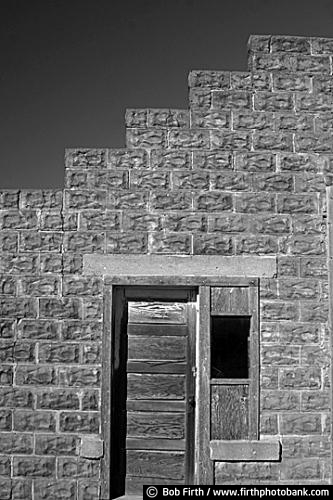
245 450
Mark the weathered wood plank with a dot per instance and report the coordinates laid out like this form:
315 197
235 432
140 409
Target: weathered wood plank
134 484
329 192
161 348
158 293
190 387
106 391
220 300
155 405
148 386
156 425
162 464
156 329
205 466
229 300
239 300
245 450
229 412
156 367
155 444
229 381
254 363
156 312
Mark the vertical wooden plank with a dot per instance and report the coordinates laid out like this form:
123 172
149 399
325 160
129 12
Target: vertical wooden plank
106 392
254 364
239 300
230 300
203 463
190 389
229 412
329 199
220 300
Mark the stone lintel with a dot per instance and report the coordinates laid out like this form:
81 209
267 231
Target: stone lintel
176 265
245 450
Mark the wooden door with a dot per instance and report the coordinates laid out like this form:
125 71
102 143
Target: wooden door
159 409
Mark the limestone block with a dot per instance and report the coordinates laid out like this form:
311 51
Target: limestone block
85 157
210 79
56 445
134 200
191 138
36 375
81 285
230 141
234 99
255 162
274 141
208 244
280 400
44 489
84 242
18 219
255 203
58 353
80 376
277 101
85 199
256 244
191 180
127 158
65 308
57 399
213 201
212 160
11 307
291 82
81 330
91 447
170 160
206 118
145 138
169 243
161 200
79 422
126 242
134 221
300 378
148 179
41 199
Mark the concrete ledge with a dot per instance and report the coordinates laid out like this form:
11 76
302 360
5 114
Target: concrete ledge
176 265
243 451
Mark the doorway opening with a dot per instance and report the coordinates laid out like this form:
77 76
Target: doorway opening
152 387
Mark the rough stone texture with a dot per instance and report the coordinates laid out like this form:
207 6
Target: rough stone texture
241 174
91 448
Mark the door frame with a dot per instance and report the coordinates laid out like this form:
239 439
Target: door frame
118 297
201 450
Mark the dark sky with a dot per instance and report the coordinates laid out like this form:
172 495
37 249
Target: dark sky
70 68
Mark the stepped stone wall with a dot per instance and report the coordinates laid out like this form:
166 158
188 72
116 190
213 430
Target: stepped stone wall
245 170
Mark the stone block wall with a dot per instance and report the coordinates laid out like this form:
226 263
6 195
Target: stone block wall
243 171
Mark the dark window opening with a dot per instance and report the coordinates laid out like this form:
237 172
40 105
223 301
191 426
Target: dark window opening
230 346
